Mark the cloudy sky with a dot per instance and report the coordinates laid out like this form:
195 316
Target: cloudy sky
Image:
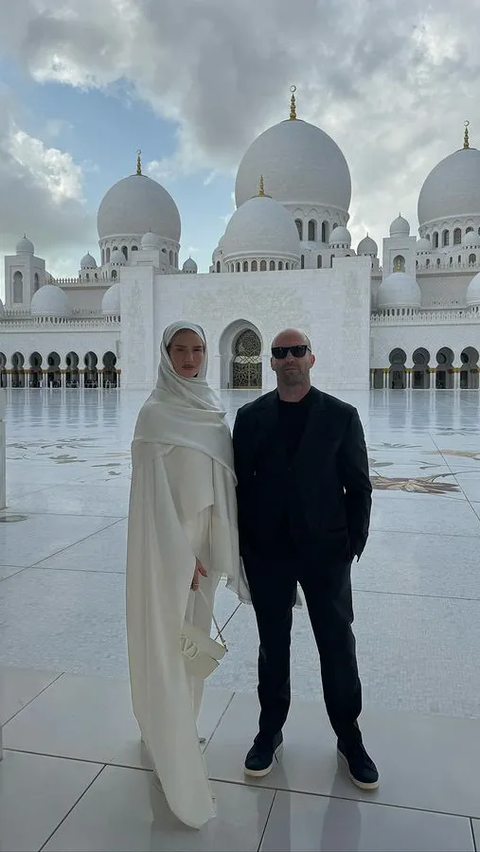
192 82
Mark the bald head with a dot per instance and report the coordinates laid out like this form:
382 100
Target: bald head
290 337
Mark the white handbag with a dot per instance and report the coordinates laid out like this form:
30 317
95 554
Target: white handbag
201 653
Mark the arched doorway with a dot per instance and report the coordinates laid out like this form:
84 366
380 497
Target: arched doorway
36 372
469 379
397 376
247 360
109 371
18 373
444 373
72 378
3 370
421 375
54 377
91 372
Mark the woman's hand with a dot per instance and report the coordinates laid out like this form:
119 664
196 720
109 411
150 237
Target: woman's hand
199 569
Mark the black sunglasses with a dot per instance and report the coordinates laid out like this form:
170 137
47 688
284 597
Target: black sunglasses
298 351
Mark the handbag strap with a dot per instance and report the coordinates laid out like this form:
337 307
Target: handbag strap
219 632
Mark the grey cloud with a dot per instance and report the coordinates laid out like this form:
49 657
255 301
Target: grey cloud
391 81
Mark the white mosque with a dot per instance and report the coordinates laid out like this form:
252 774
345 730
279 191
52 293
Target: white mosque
285 259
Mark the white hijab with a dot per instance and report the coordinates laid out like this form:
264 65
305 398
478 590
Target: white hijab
184 412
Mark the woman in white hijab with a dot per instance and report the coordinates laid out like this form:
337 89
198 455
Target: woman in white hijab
182 535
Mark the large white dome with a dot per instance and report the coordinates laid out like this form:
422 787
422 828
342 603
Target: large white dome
301 165
399 290
261 226
471 240
452 188
340 236
135 205
111 300
50 301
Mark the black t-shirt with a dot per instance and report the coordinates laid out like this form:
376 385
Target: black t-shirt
293 419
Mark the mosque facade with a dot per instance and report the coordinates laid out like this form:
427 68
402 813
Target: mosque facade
285 258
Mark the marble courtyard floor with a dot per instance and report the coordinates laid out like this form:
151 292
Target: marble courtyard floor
74 776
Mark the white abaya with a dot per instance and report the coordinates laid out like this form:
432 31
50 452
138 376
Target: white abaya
182 507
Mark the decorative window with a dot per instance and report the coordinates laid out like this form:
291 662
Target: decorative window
287 265
18 288
280 265
312 230
457 237
272 266
399 263
435 239
324 232
446 238
299 225
218 266
319 261
469 229
245 265
302 262
263 266
472 258
238 266
125 252
254 266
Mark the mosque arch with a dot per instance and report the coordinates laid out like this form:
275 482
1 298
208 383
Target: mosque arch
109 370
469 371
435 239
54 376
91 372
241 350
472 259
36 371
444 379
397 377
36 282
72 377
421 372
312 231
446 237
3 370
272 266
18 371
457 237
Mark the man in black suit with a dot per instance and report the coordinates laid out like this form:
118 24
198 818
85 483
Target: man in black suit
304 500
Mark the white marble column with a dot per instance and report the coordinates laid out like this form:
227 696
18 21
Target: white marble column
3 463
456 378
386 374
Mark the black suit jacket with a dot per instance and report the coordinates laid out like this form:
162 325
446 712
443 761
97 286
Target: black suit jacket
325 490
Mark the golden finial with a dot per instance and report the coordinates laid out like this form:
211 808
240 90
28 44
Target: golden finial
293 104
139 162
261 188
466 142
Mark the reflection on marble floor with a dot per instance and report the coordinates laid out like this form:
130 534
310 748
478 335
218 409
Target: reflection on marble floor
417 601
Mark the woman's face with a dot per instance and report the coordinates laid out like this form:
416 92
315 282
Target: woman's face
187 353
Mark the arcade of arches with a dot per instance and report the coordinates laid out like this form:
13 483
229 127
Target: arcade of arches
428 371
35 371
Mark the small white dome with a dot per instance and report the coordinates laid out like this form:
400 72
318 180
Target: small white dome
50 301
25 246
150 242
111 300
340 236
400 227
118 258
301 164
367 246
471 240
473 292
452 188
135 205
399 290
190 266
88 262
261 226
423 245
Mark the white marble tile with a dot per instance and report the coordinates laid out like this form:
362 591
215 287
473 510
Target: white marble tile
410 649
411 751
103 551
36 793
434 565
101 822
476 831
64 621
303 823
9 571
40 536
457 517
78 499
18 687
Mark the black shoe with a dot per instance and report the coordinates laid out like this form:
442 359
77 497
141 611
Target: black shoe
262 755
361 767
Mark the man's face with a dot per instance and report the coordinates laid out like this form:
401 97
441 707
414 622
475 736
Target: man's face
187 353
292 370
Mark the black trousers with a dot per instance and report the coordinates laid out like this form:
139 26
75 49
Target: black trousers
328 595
